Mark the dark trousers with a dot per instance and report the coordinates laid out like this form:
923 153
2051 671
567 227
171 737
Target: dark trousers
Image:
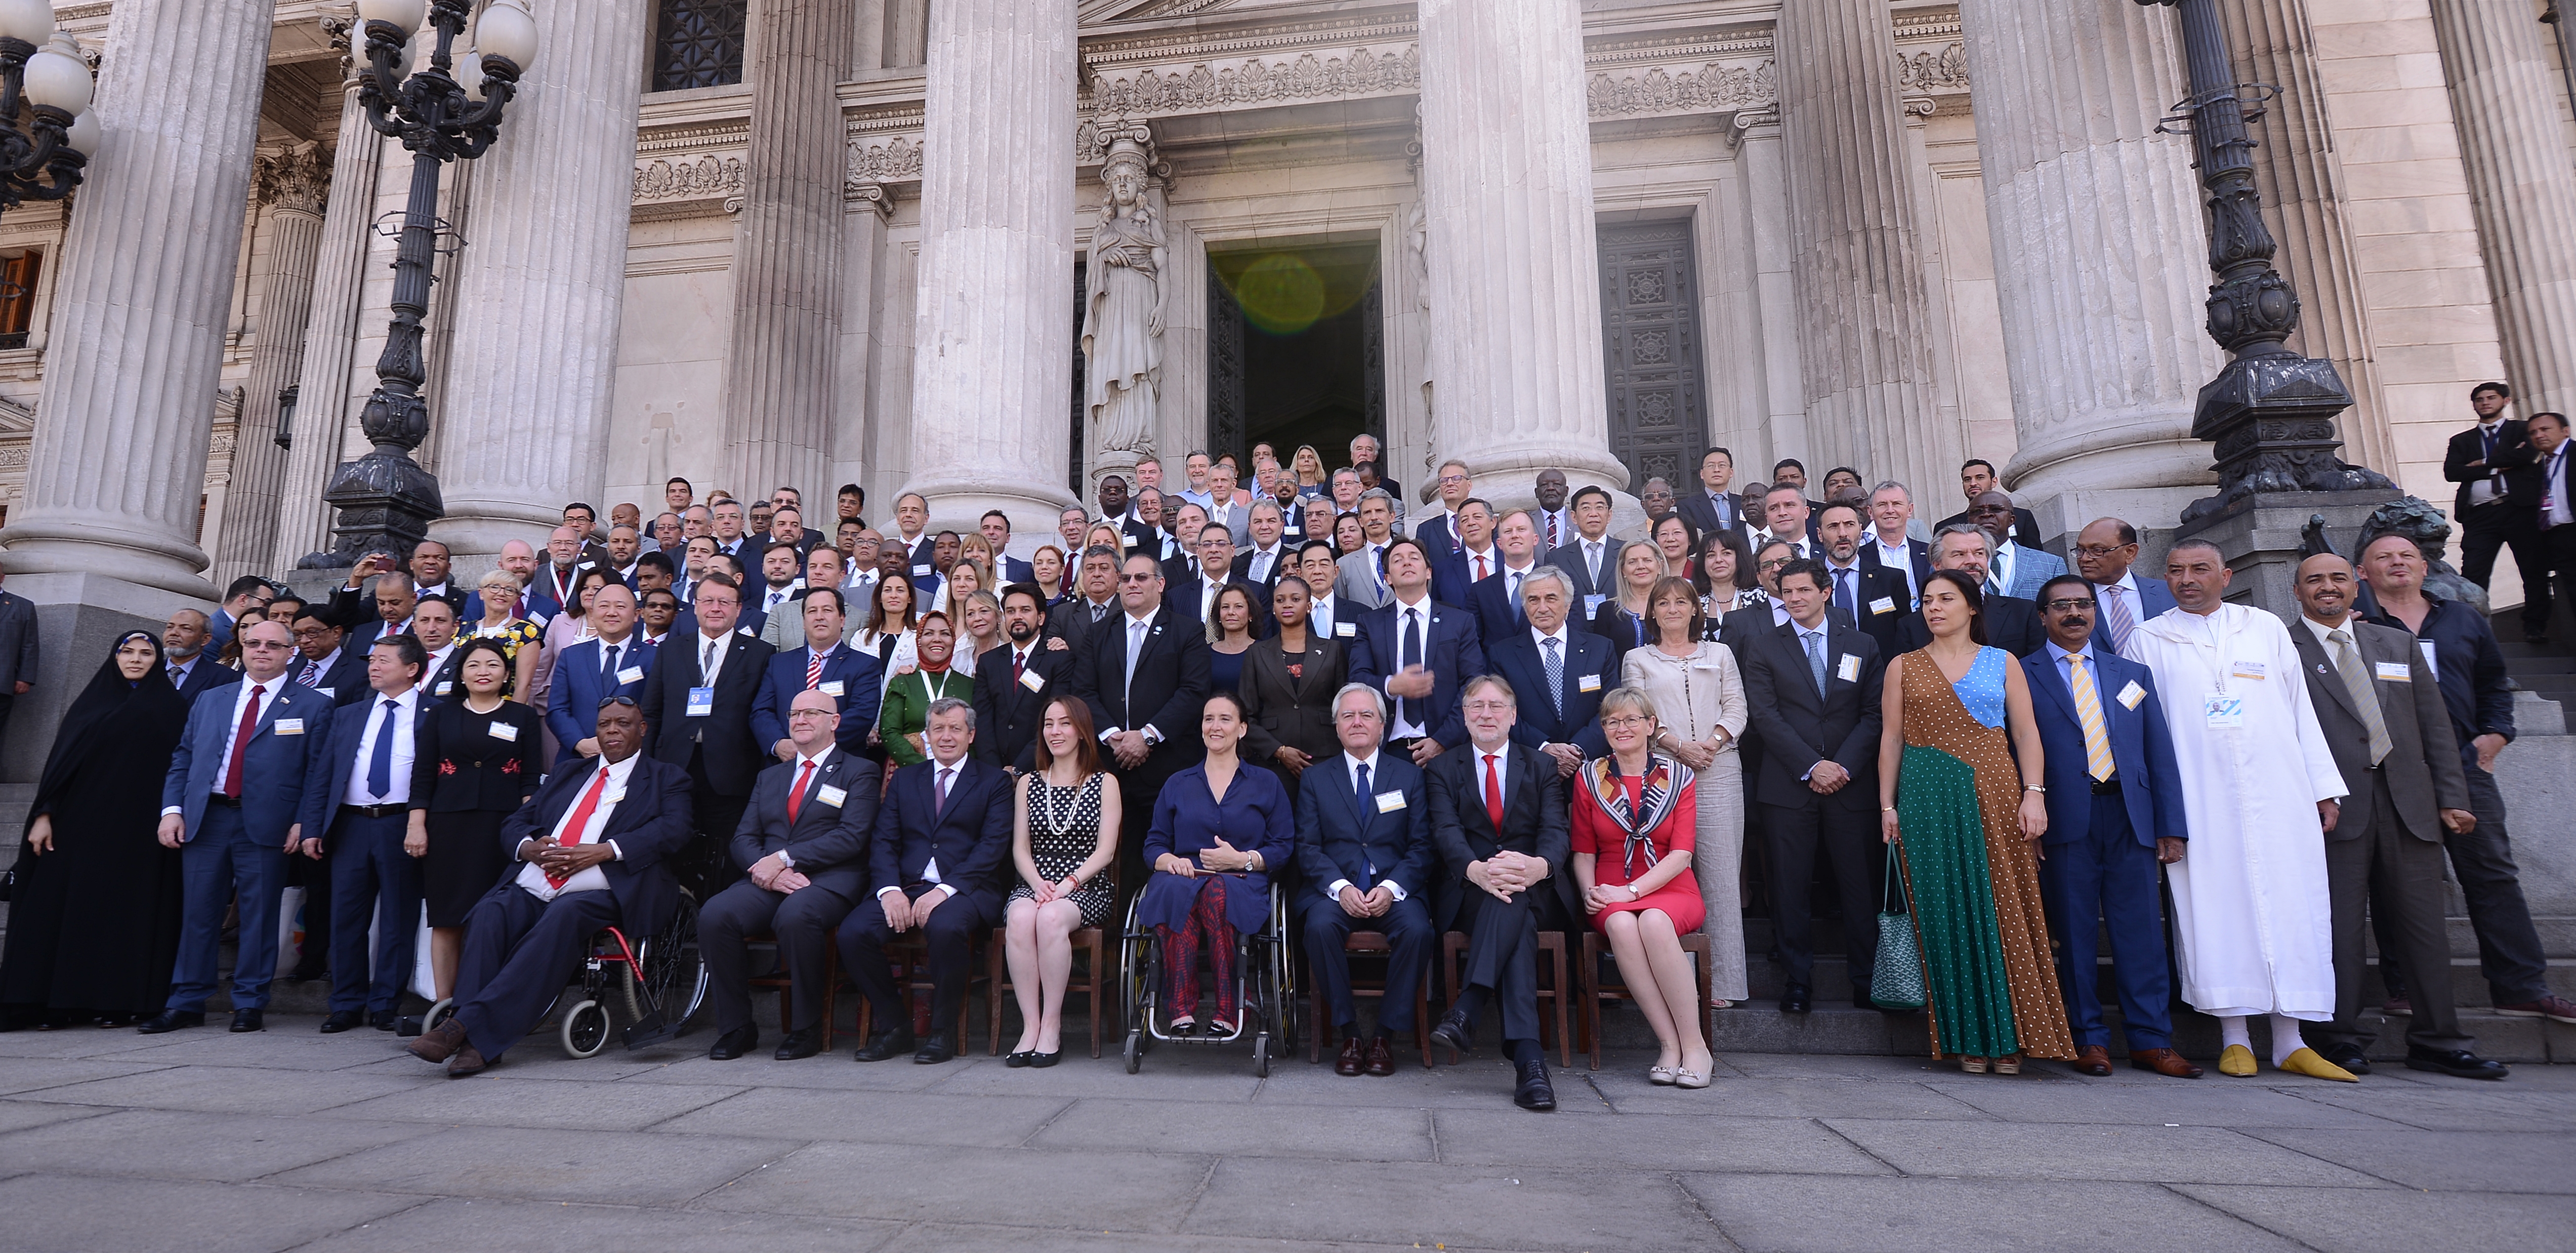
371 874
1502 953
2509 952
2412 869
222 861
2109 875
2488 529
704 866
1410 936
802 922
950 935
519 954
1793 835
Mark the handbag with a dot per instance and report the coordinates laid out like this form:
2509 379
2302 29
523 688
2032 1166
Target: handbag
1896 978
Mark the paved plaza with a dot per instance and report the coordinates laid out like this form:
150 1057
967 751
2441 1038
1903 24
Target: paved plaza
210 1142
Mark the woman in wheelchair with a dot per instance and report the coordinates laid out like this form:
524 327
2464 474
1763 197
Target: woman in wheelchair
1219 827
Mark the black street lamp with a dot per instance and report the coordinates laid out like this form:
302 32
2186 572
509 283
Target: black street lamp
386 500
2270 411
43 76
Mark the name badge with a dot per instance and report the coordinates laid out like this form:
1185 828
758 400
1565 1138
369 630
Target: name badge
444 687
1588 683
583 566
1592 605
2248 670
833 688
832 796
328 693
702 702
612 796
1344 630
2131 695
631 674
1884 604
1389 802
2222 712
288 726
2394 672
1847 669
921 571
1032 680
503 731
2432 664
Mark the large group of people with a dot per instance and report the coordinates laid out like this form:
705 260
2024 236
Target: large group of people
1499 722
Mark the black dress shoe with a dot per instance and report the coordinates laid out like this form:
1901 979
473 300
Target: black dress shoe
1040 1061
248 1020
343 1020
171 1020
1381 1056
1019 1060
2457 1063
938 1048
2346 1055
1794 998
1534 1091
734 1043
886 1044
383 1019
307 972
800 1045
1456 1033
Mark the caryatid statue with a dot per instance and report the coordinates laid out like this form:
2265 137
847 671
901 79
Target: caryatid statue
1122 324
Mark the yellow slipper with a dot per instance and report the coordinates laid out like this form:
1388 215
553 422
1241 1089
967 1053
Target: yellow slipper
2236 1060
2304 1061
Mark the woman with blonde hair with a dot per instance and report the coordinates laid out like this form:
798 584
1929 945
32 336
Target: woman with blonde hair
1635 821
520 638
1308 466
1699 691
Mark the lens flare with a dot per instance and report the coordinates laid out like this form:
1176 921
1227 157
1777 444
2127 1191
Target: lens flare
1280 294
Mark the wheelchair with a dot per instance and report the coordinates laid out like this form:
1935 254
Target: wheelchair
659 986
1265 977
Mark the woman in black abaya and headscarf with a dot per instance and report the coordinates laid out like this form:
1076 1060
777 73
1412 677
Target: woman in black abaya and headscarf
94 918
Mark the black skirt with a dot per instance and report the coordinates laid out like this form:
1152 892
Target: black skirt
464 862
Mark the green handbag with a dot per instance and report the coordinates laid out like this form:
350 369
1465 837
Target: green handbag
1896 979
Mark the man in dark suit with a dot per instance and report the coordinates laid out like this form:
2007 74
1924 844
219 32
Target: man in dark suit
1094 601
1496 598
322 663
996 528
2381 711
850 677
17 652
593 849
1439 532
2106 552
803 847
1475 557
1976 478
1367 860
394 606
183 652
1888 547
1559 718
1144 676
1791 518
368 797
2012 624
912 539
2497 470
1713 505
247 781
2115 813
1010 706
1498 817
1871 596
1588 555
240 597
938 860
611 663
1271 553
2553 522
1417 651
1116 510
1813 688
1191 601
698 700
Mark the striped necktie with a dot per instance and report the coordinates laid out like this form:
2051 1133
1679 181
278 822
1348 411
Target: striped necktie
2357 684
2088 711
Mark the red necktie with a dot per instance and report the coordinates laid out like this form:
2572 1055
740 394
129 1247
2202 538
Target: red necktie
1480 568
1016 658
1493 796
580 820
1551 531
813 679
241 741
796 795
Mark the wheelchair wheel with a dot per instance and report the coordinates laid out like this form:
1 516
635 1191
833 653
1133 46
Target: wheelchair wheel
1134 1053
585 1030
674 976
1261 1055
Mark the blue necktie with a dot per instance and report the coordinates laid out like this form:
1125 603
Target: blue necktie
1843 594
1363 798
1412 657
607 667
1816 657
1555 677
380 764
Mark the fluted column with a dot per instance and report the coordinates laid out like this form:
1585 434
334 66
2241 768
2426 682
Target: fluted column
119 457
293 182
787 256
2098 243
331 332
538 289
1515 263
2503 101
1865 329
992 363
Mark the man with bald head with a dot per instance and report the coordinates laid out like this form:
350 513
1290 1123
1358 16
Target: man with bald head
2015 569
561 570
2105 551
183 651
521 561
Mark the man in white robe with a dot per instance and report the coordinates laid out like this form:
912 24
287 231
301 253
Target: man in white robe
2253 923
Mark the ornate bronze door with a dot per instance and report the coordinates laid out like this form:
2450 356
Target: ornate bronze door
1650 336
1225 403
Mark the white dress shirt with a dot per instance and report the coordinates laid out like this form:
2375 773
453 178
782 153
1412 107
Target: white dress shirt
1900 559
399 780
1502 755
532 877
1264 563
1492 558
318 670
1999 568
2484 489
1402 728
429 671
772 597
2553 489
711 662
1368 801
1319 618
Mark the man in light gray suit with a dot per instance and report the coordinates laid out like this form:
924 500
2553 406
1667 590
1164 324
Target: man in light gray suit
17 653
1363 578
2014 570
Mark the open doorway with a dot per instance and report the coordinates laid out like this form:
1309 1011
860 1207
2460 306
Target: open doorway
1296 348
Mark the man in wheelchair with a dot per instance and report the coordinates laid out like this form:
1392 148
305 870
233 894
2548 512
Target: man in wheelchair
590 850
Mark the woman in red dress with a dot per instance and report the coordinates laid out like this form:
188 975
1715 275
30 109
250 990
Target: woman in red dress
1635 814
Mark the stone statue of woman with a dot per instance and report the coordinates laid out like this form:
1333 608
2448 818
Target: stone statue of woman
1122 325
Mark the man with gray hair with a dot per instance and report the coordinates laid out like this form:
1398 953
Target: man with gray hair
1890 544
2011 623
1363 579
1364 844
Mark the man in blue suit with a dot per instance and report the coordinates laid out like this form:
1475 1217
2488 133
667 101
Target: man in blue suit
1561 717
1364 848
371 777
323 662
185 639
850 676
246 783
996 528
2104 552
1496 598
2114 813
2016 569
614 663
1419 653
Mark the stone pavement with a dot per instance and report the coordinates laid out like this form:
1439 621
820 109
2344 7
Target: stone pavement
209 1142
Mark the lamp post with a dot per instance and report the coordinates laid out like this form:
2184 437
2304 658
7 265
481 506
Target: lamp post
2270 411
386 500
42 75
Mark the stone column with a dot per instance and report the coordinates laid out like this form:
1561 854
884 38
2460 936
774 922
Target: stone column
294 182
525 421
2503 104
323 414
1781 406
1515 263
992 362
2099 254
146 281
787 255
1865 330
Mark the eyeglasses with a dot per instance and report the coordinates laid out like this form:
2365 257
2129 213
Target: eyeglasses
1138 578
2098 550
1777 562
1448 479
1624 723
2067 605
811 713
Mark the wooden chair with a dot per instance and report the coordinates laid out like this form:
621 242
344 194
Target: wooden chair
1695 944
786 991
1551 959
1320 1016
1094 982
910 955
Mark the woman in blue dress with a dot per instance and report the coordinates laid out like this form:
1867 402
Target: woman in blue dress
1218 830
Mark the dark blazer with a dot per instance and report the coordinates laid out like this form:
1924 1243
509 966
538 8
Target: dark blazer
1516 658
2012 624
1534 822
2154 597
1449 649
971 834
1343 835
1611 622
862 685
2142 750
1702 513
1916 551
458 764
207 674
2423 762
1800 730
574 693
2514 455
1569 558
345 678
733 757
17 640
1070 619
1171 684
828 842
1243 566
1008 715
2025 525
349 728
1183 600
1438 538
1283 709
1015 570
1873 587
649 826
283 772
1491 601
917 561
